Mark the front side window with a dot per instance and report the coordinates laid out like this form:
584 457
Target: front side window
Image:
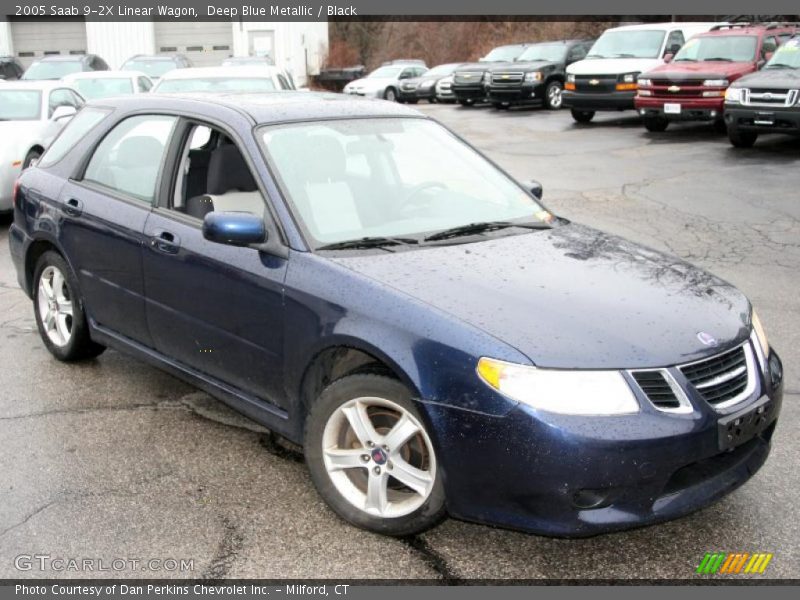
674 41
128 160
350 179
20 105
217 84
103 87
725 48
75 130
628 43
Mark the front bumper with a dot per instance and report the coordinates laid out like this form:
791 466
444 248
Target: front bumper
763 119
691 109
573 477
417 94
475 93
527 93
594 102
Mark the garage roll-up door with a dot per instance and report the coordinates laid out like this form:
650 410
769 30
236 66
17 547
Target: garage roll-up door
34 39
205 44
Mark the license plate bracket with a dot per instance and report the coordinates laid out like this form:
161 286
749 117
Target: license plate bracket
742 426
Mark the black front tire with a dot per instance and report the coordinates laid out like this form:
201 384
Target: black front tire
344 390
742 139
656 124
80 345
582 116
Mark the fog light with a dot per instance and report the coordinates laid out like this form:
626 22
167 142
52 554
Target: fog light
642 111
591 498
713 113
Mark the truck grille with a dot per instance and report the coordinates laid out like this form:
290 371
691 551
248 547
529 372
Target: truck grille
595 84
723 379
507 78
687 88
769 97
473 77
655 386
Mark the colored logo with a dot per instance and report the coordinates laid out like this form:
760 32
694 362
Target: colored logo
674 88
379 456
719 563
594 82
505 76
707 339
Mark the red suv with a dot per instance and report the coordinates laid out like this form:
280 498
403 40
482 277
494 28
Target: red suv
691 86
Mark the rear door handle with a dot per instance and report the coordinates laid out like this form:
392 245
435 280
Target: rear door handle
165 241
73 207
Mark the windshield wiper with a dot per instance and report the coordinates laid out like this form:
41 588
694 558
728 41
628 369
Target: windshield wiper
624 55
595 56
718 58
369 242
473 228
780 66
685 60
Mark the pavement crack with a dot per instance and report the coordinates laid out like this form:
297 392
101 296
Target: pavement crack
227 552
30 516
93 409
433 559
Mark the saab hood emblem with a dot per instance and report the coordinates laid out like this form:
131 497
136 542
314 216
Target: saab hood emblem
707 339
674 88
594 82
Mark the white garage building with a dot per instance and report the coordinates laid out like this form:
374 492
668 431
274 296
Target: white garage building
299 47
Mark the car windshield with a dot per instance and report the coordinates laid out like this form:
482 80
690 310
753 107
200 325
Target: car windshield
787 56
728 48
103 87
503 54
217 84
369 178
386 72
20 105
628 43
53 69
246 60
441 70
153 68
545 52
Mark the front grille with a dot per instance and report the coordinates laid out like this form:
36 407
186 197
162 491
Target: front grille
722 379
655 386
468 78
667 88
597 84
507 78
769 97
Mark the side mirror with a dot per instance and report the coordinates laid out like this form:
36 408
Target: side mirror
534 187
768 56
668 57
234 228
62 113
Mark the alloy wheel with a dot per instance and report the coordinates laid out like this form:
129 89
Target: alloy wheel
55 306
554 96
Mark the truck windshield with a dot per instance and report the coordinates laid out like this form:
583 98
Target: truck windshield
544 52
787 56
386 72
628 43
503 54
726 48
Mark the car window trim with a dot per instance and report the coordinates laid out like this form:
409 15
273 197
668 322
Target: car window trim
104 109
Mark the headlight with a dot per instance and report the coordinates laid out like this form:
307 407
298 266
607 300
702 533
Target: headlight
733 95
564 392
426 84
570 78
716 83
630 77
645 82
534 76
760 334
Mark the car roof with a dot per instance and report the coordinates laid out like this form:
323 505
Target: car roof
667 25
102 75
749 29
266 108
262 71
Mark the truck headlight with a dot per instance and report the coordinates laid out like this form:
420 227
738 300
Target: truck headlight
645 83
630 77
566 392
716 83
570 78
733 95
533 76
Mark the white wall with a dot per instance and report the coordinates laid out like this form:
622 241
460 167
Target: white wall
5 39
116 42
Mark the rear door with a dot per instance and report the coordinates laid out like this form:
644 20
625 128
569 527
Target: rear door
105 210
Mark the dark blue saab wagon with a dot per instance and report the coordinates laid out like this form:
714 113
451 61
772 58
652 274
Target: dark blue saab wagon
361 281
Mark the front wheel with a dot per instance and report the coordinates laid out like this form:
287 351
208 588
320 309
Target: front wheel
390 94
370 456
742 139
60 317
552 95
656 124
582 116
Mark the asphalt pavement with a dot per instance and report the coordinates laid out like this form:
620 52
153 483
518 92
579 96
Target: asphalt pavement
112 459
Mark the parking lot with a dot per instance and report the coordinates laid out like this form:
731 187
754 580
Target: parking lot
113 459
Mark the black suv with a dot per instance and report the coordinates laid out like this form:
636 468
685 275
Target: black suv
468 80
56 67
767 101
537 77
10 68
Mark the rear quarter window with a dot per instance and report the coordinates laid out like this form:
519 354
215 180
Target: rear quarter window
80 125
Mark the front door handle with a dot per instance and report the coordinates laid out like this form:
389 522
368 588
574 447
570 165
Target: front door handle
73 207
165 241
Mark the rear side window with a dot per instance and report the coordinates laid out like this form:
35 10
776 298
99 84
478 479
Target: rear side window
76 129
128 160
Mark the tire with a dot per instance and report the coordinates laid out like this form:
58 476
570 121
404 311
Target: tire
65 333
582 116
31 156
390 94
376 404
552 95
742 139
656 124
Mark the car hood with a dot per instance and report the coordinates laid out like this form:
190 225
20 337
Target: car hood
478 67
533 65
571 297
613 66
777 78
701 70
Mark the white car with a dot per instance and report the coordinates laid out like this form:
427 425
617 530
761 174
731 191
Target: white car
31 115
384 82
102 84
224 79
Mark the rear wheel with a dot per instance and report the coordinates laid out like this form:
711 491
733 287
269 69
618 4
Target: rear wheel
552 95
58 305
370 456
742 139
656 124
582 116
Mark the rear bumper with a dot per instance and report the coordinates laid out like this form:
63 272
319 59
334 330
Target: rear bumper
517 95
695 109
606 101
763 120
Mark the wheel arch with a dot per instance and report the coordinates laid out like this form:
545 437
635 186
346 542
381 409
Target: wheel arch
41 243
